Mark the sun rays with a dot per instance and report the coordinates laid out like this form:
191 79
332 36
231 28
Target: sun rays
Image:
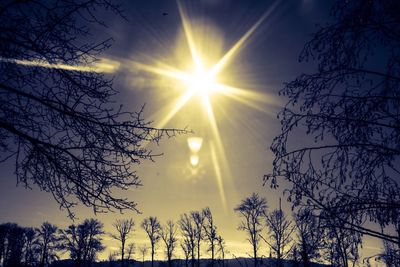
202 81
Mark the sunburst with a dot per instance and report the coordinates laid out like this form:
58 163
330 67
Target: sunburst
202 81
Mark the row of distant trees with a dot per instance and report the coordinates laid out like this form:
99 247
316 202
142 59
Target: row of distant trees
196 228
307 237
303 239
27 246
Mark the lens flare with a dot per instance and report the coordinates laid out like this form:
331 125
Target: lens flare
194 160
194 144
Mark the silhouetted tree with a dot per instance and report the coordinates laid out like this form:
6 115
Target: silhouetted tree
221 249
130 251
210 233
4 233
94 241
188 230
124 229
187 250
47 241
252 210
143 251
60 123
72 239
112 256
198 222
152 227
3 241
30 247
168 235
83 241
13 245
341 244
350 106
309 236
390 255
295 257
279 237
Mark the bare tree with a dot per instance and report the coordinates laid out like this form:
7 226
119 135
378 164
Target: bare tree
112 256
124 229
210 233
350 108
390 255
47 241
168 235
221 249
30 251
83 241
130 251
57 117
152 227
143 251
186 246
188 230
279 237
252 210
198 220
3 241
309 236
341 244
94 239
12 244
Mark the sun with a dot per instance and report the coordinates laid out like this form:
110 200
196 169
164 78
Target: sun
203 82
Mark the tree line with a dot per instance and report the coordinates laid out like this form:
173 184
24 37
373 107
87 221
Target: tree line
27 246
303 239
306 237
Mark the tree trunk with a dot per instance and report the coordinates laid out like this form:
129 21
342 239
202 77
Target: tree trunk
122 253
304 257
193 257
212 255
255 254
169 259
198 253
42 259
152 256
279 257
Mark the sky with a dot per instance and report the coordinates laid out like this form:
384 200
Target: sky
234 156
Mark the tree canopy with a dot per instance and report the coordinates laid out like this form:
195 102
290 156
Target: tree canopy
59 121
350 108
